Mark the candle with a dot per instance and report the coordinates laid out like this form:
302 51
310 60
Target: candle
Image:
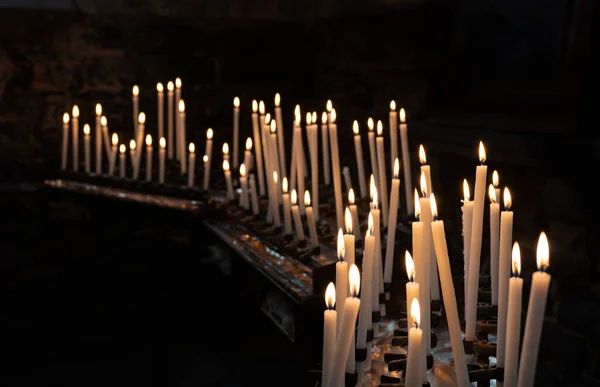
354 212
178 137
475 250
170 117
297 219
496 182
300 172
105 138
274 161
449 297
365 318
406 160
160 94
75 128
349 252
228 181
287 216
393 133
181 139
192 164
265 153
310 219
65 142
373 149
139 140
132 156
244 185
98 139
208 154
540 282
347 178
329 332
122 150
135 96
391 235
513 320
506 231
225 151
296 131
412 288
425 168
494 241
113 154
313 144
248 154
424 268
161 159
377 257
276 216
280 139
467 223
413 376
253 195
325 136
236 130
86 147
266 128
360 165
148 157
258 149
346 329
335 158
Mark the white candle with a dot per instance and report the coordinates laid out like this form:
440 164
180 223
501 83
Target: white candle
296 215
170 117
148 157
475 250
132 156
208 154
467 223
300 172
248 154
245 203
417 239
325 136
424 269
228 181
275 161
276 215
345 329
449 297
365 317
329 333
296 131
75 128
425 168
253 195
98 139
413 376
373 149
496 182
412 288
182 140
494 241
113 154
360 165
160 96
347 178
513 320
86 147
280 138
192 164
406 160
540 282
349 252
161 159
354 212
313 145
135 96
122 167
65 142
258 149
310 219
178 137
287 215
506 235
139 140
265 150
236 131
434 280
393 216
105 138
377 257
268 156
225 151
393 133
335 158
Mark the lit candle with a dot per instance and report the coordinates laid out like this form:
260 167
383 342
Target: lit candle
244 185
140 139
413 376
365 319
160 94
225 151
412 288
192 164
132 156
393 133
266 128
424 268
346 329
65 142
354 212
105 138
382 174
391 235
263 139
135 96
287 216
313 144
75 128
86 147
148 157
349 252
406 160
280 139
506 236
540 282
329 332
325 136
310 219
300 172
122 168
513 320
467 223
276 215
178 137
113 154
494 241
425 168
181 138
170 117
228 181
296 131
449 297
362 184
208 154
98 132
248 154
373 149
475 250
496 182
258 149
253 195
335 158
161 159
274 161
296 215
377 257
236 130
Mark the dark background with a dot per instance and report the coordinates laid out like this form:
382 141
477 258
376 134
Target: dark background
95 294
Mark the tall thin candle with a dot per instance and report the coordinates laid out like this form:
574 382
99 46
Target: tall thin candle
160 98
244 197
412 288
415 344
365 317
86 147
506 236
135 96
148 157
424 269
325 137
335 157
393 133
132 157
349 252
373 149
178 137
494 241
280 137
170 118
228 181
467 223
329 333
391 235
225 151
248 154
258 149
113 154
434 280
139 140
341 276
513 320
276 215
161 159
236 131
122 167
182 140
105 137
192 164
98 139
310 219
362 184
208 154
75 128
406 161
287 215
354 211
65 142
314 165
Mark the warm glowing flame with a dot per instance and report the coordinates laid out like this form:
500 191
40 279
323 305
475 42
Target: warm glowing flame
277 99
225 148
261 107
396 168
348 220
543 252
379 128
372 187
324 118
516 259
354 277
410 266
75 112
370 222
178 82
507 199
355 127
275 177
492 193
142 118
170 86
284 185
86 129
132 144
294 197
415 312
306 198
66 118
242 170
122 148
135 91
209 134
433 204
308 118
314 117
329 105
103 121
273 126
422 155
248 144
370 124
192 147
417 205
115 139
341 247
181 106
423 183
482 155
236 102
333 116
162 143
393 105
159 87
330 296
495 179
254 106
205 158
466 191
402 115
225 165
149 140
351 198
98 109
268 118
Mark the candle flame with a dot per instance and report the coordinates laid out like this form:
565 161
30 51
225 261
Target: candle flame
273 126
324 118
170 86
466 191
162 143
307 198
205 158
415 312
507 199
423 183
482 155
75 111
370 222
261 107
209 134
330 296
492 193
66 118
103 121
341 247
115 139
275 177
516 260
354 276
308 118
370 124
242 170
122 148
142 118
149 140
86 129
333 116
410 266
132 144
192 147
268 118
178 82
348 220
417 205
495 179
314 117
236 102
225 164
254 106
422 155
434 211
181 106
248 144
329 105
372 188
135 90
543 252
402 115
396 168
355 127
225 148
277 99
379 128
98 109
284 185
351 198
159 87
393 105
294 197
